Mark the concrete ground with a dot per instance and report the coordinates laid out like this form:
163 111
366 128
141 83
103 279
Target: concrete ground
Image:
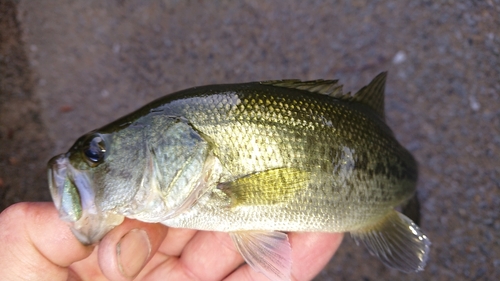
67 67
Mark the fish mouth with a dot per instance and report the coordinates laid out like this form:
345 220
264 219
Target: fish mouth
74 198
57 168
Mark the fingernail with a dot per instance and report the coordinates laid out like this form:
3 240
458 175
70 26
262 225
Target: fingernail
132 252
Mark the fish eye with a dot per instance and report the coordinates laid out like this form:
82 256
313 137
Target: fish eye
94 149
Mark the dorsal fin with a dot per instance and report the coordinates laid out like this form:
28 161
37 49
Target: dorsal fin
324 87
372 94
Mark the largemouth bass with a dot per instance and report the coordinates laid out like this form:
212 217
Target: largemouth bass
255 160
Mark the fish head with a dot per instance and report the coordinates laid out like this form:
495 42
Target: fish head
149 173
73 181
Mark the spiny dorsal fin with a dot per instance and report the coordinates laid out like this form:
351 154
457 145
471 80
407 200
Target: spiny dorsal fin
372 94
325 87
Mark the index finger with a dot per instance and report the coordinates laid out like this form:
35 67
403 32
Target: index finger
36 244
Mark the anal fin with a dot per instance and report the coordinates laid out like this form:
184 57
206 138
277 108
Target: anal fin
268 252
396 241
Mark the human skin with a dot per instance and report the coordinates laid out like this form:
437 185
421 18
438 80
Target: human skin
37 245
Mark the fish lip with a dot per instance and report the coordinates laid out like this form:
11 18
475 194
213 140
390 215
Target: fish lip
57 172
93 224
60 171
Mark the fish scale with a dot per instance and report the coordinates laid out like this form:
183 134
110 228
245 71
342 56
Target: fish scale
236 131
255 160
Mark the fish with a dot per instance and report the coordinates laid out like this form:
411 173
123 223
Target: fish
257 160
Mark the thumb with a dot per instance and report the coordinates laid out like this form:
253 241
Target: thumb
36 244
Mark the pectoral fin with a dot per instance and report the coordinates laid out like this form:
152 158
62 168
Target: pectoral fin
397 241
268 252
266 188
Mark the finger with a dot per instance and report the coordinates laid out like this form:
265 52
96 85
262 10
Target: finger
314 251
211 255
310 253
87 268
36 244
176 240
157 260
126 249
207 256
170 248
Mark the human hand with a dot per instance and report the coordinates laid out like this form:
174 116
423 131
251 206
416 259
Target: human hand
37 245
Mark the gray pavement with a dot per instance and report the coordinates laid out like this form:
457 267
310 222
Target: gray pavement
67 67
